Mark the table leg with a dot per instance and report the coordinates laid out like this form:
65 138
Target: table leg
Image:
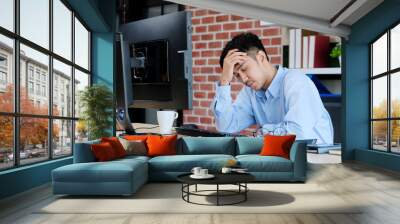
217 194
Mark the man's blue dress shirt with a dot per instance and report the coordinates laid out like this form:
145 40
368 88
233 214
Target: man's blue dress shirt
291 102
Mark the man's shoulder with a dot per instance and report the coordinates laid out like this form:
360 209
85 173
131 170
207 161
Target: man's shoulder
295 77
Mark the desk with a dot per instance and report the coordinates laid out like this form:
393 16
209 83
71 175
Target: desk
149 128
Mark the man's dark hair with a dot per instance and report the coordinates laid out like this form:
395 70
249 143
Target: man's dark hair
244 42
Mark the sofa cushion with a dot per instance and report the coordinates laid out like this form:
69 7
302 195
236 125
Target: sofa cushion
103 152
134 147
249 145
112 171
161 145
185 163
257 163
276 145
207 145
116 145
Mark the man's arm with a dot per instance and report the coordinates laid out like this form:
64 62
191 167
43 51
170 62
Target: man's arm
304 109
231 117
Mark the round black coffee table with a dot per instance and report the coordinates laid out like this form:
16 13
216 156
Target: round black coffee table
238 179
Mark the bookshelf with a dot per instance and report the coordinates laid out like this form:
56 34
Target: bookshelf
320 71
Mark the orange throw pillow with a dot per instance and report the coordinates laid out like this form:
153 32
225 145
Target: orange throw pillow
161 145
275 145
116 145
135 137
103 152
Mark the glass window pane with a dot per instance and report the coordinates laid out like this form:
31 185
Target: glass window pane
62 29
395 136
379 97
62 89
81 45
395 94
81 81
7 14
81 131
6 74
62 138
395 47
6 142
35 21
33 140
34 97
379 135
379 55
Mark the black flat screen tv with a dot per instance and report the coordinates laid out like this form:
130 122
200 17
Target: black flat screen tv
158 62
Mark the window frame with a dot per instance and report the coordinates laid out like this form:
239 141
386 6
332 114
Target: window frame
16 114
388 74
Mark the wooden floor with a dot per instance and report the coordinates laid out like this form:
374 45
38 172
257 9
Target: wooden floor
377 188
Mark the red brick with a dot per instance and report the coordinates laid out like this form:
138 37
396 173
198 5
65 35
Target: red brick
257 23
229 26
211 12
206 87
206 70
195 54
200 45
212 61
196 103
222 18
199 78
222 36
276 41
232 34
187 112
246 25
266 42
272 50
217 44
209 19
195 21
201 112
205 120
195 70
193 119
199 94
236 18
217 53
200 12
275 60
196 86
213 28
271 32
210 95
200 29
195 37
205 103
207 53
207 37
200 62
256 32
213 78
218 69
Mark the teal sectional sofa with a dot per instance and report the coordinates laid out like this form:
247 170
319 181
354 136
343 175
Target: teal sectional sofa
125 176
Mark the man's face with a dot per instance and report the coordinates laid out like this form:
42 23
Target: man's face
250 73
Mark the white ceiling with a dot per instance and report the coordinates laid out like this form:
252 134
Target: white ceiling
317 15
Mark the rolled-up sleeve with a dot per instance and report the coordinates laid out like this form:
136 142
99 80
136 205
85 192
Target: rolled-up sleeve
231 117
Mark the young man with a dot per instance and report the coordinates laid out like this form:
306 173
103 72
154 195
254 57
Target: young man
274 98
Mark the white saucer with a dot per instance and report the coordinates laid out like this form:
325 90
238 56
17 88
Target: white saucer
208 176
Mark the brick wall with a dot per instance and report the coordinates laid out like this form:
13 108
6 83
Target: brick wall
211 31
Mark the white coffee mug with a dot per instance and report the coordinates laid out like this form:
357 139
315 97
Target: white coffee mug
226 170
203 172
165 121
196 170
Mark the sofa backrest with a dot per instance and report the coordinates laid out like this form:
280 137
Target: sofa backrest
249 145
206 145
83 153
